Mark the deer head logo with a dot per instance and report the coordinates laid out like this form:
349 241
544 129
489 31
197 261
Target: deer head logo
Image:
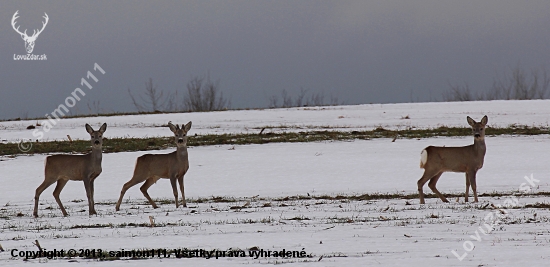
29 40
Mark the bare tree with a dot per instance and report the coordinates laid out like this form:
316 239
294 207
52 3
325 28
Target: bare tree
94 107
542 92
204 95
300 99
334 101
316 99
522 90
287 99
172 102
459 93
152 100
273 101
521 85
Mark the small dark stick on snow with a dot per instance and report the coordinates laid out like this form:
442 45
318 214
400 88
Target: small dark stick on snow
38 245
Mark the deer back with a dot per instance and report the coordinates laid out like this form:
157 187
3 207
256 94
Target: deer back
162 165
72 167
455 159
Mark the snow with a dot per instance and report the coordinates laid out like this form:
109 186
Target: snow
393 232
348 118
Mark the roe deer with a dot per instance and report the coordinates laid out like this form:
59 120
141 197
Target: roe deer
151 167
62 168
467 159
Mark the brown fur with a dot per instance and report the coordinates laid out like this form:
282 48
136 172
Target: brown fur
151 167
62 168
467 159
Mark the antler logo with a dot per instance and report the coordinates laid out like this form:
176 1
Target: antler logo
29 40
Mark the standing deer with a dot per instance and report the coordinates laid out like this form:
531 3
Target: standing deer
151 167
62 168
467 159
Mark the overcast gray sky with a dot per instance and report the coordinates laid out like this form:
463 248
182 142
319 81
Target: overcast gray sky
361 51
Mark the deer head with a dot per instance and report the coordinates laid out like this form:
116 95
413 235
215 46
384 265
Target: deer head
180 133
96 136
29 40
478 128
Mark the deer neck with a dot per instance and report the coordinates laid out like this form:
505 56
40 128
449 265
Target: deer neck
479 145
96 156
181 153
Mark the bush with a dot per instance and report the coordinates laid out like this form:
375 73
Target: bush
204 95
201 95
519 85
302 100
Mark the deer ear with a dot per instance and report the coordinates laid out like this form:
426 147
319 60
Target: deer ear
89 129
187 127
470 121
484 120
103 128
172 127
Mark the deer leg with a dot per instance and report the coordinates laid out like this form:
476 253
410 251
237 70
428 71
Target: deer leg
425 177
180 181
432 184
47 182
92 196
472 178
173 181
57 191
88 188
467 188
125 188
92 187
148 183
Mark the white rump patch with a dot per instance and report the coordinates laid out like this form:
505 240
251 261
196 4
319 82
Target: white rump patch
423 158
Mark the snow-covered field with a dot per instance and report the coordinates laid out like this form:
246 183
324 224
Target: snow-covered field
348 118
342 232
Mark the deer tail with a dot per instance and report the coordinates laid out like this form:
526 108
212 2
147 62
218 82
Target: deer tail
423 158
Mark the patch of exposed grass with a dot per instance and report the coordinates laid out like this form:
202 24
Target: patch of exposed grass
299 218
340 197
114 145
91 226
171 201
381 196
538 205
126 225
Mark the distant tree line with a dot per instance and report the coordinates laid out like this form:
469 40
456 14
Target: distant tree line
519 85
201 94
303 99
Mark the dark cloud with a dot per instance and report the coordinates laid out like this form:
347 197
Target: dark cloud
361 51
